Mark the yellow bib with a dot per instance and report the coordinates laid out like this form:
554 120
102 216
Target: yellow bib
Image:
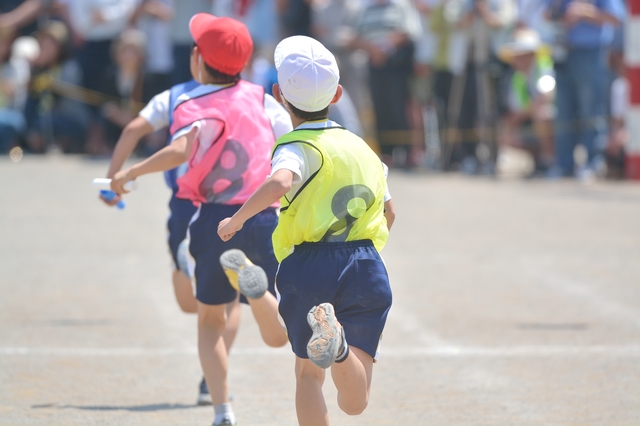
342 201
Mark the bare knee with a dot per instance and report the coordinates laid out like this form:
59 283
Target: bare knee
212 316
354 408
276 341
187 306
306 370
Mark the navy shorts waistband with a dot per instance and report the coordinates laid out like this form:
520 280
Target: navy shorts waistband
321 245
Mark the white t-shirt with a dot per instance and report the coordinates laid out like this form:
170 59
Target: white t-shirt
116 15
304 161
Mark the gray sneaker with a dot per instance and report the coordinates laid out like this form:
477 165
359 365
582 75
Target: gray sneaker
244 276
204 398
327 340
225 422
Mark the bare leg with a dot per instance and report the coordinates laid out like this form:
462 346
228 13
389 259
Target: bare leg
212 351
252 281
188 303
265 311
234 314
352 378
184 292
544 131
310 406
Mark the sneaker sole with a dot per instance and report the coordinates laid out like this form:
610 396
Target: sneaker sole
204 399
323 346
249 279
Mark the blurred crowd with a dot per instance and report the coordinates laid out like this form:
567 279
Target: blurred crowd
443 84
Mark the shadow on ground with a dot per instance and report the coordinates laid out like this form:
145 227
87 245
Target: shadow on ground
138 408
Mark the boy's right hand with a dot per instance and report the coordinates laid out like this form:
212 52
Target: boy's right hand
119 180
227 229
111 201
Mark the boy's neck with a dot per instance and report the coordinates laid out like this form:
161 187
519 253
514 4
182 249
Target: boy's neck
209 80
297 121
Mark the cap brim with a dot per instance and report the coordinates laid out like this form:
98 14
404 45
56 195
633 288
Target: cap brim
199 23
507 53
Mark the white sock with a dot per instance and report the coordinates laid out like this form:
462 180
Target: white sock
344 350
223 411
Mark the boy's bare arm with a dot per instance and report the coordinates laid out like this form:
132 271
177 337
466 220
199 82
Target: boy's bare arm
167 158
389 213
131 135
129 139
268 193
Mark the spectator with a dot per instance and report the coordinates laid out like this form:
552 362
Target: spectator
94 25
527 123
260 17
14 77
295 17
449 59
487 24
54 116
584 34
531 16
422 109
153 18
20 16
181 38
333 25
386 30
122 87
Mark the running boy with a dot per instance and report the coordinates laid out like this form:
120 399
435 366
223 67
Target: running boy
332 224
226 129
157 115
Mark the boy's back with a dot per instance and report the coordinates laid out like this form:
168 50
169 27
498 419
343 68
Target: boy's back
228 158
339 198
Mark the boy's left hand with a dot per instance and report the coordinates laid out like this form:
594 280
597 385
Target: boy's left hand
227 229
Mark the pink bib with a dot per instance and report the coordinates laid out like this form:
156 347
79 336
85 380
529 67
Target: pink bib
231 156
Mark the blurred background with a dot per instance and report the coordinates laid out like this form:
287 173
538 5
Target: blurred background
516 289
441 85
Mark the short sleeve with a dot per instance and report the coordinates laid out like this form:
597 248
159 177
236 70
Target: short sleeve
279 117
387 195
289 157
156 112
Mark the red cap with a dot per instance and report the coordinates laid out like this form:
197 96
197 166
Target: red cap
224 43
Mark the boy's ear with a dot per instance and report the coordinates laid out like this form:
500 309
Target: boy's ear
275 90
338 94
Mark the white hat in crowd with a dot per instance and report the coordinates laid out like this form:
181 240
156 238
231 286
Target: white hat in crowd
524 41
308 74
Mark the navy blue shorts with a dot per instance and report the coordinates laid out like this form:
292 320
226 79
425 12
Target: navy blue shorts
254 239
181 212
351 276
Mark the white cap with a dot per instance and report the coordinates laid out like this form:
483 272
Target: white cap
524 41
308 74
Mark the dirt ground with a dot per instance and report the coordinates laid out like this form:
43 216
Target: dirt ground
515 303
